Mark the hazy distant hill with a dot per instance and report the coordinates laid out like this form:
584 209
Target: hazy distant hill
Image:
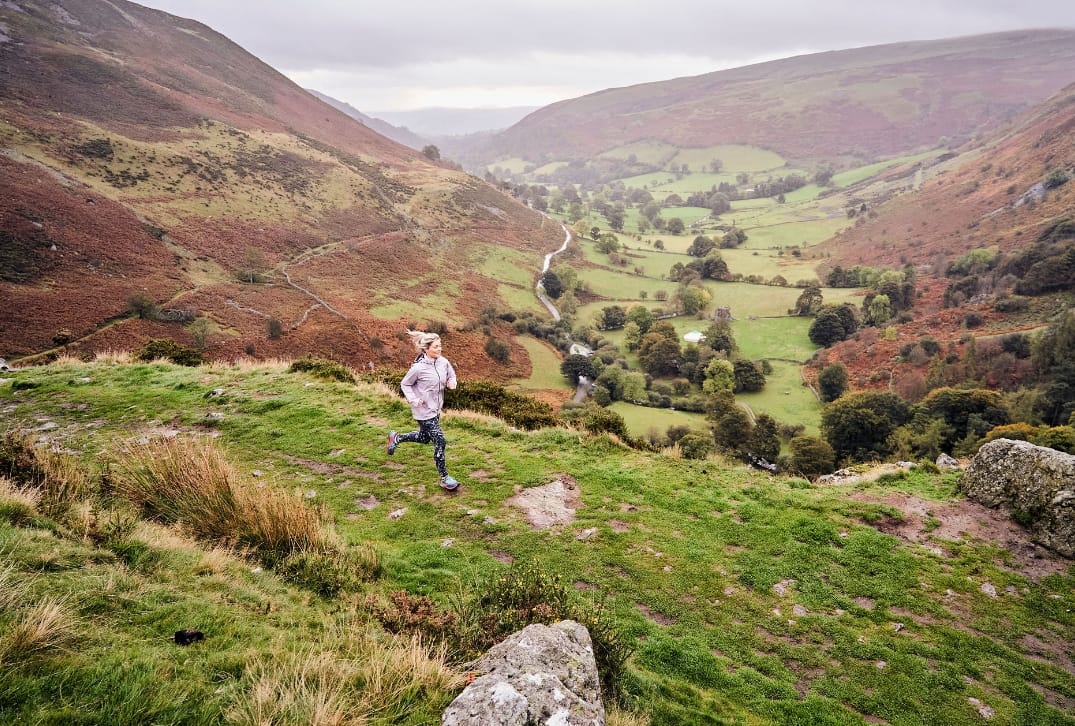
851 103
402 135
437 122
144 154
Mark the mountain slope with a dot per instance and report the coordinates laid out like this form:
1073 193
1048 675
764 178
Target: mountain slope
862 102
147 154
400 135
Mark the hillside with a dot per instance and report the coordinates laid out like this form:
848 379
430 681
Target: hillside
146 155
743 597
396 133
997 198
827 107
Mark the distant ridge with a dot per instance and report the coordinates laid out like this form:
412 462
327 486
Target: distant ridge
401 135
438 122
857 103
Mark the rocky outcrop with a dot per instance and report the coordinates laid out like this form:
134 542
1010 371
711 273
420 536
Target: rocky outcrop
1036 483
543 674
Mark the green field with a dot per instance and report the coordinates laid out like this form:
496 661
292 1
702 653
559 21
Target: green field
774 338
545 362
785 398
642 421
852 176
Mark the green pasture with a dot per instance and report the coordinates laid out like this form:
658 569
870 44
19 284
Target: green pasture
440 304
615 285
549 168
506 264
791 234
852 176
515 164
643 420
774 338
768 263
545 366
785 398
646 152
519 299
690 183
736 158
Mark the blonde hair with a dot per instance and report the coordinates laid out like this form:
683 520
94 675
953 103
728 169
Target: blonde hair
421 339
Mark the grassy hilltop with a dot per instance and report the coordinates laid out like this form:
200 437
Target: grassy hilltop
742 598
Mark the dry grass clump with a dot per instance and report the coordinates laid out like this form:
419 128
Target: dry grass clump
48 625
118 357
360 677
18 505
189 482
60 480
616 717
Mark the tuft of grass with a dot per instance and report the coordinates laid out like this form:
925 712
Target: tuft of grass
59 479
361 678
192 484
18 505
46 626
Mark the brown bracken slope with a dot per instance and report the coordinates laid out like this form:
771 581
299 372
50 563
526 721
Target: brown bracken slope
147 154
859 103
990 195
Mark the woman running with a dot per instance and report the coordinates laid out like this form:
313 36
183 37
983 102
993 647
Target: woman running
423 386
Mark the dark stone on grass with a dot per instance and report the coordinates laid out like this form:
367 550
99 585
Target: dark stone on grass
187 637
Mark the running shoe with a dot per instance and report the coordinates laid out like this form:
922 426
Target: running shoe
449 483
393 442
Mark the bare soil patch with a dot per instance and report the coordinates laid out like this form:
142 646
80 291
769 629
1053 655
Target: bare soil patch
925 522
551 504
659 618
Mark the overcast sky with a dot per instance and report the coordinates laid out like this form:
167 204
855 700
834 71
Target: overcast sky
399 55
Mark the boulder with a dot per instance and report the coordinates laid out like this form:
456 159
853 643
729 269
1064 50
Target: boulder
1035 482
543 674
944 461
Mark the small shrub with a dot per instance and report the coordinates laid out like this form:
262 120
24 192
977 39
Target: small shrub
320 368
275 328
330 572
498 351
599 420
973 320
1011 304
168 349
516 409
695 446
46 626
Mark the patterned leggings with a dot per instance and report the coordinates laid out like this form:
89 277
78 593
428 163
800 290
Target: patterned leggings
429 430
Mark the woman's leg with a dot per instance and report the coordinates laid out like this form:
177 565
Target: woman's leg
418 437
432 429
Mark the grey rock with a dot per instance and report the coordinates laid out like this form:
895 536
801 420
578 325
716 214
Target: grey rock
1035 482
944 461
543 674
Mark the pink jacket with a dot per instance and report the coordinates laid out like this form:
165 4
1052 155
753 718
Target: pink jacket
425 382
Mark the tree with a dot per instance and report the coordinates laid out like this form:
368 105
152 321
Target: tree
877 310
764 439
275 328
253 264
732 429
694 299
811 457
967 413
695 446
575 365
552 284
719 337
833 324
858 425
615 216
675 226
832 382
142 306
748 376
431 152
594 232
632 335
719 376
701 246
643 316
200 331
809 302
613 317
608 243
